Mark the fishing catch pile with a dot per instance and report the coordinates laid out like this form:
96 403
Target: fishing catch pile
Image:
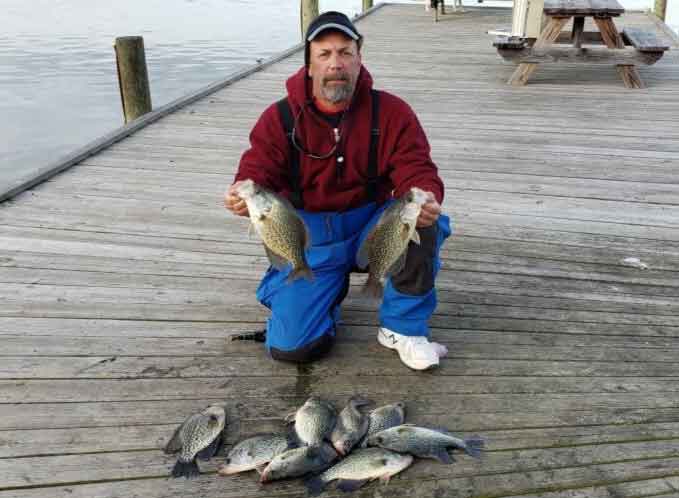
351 447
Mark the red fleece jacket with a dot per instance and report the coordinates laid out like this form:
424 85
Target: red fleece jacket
402 153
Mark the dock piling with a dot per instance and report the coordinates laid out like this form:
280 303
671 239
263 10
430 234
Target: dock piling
133 78
308 12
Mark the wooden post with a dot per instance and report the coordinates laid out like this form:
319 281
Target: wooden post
308 11
133 78
660 8
367 4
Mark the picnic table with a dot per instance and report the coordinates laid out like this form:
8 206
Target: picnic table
624 49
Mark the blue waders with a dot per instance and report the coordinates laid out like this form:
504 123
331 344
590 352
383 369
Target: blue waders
304 315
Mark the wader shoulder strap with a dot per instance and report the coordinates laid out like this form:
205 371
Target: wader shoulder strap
373 178
295 178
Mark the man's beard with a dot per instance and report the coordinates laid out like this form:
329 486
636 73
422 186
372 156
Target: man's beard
338 93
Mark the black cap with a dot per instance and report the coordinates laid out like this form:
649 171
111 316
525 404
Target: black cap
329 20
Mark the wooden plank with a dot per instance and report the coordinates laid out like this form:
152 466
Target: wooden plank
583 7
498 416
46 442
115 466
473 392
353 342
612 474
456 364
603 56
643 40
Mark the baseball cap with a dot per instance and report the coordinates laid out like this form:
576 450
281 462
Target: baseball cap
329 20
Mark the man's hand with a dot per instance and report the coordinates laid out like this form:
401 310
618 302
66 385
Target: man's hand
234 203
430 212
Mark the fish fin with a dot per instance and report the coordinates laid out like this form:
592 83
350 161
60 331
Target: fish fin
373 287
442 456
292 437
260 468
405 232
251 230
186 469
348 485
210 450
276 261
398 265
474 446
359 400
385 478
175 443
415 237
315 485
363 254
301 272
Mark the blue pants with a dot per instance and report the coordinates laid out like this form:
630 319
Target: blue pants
304 314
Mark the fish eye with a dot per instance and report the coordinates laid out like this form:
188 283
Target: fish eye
228 460
380 440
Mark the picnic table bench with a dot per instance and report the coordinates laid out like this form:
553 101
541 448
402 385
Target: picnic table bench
625 49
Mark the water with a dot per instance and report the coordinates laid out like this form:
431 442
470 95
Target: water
58 83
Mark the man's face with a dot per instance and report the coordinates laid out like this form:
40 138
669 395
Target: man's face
334 64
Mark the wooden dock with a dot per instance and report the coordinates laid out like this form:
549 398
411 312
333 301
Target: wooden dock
123 278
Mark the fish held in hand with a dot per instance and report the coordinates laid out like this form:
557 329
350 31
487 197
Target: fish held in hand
351 426
426 443
200 436
281 229
298 462
253 453
360 467
385 249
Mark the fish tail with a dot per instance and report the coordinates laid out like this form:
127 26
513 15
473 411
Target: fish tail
314 485
186 469
474 446
373 287
302 271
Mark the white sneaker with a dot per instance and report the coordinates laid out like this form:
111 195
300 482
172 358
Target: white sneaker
415 351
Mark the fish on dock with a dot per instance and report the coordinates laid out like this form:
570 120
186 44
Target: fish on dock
297 462
314 421
199 436
384 417
253 453
358 468
351 426
424 442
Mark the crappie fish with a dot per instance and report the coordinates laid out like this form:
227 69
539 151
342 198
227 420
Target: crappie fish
253 453
314 421
351 426
360 467
282 230
200 436
384 417
385 249
299 461
426 443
